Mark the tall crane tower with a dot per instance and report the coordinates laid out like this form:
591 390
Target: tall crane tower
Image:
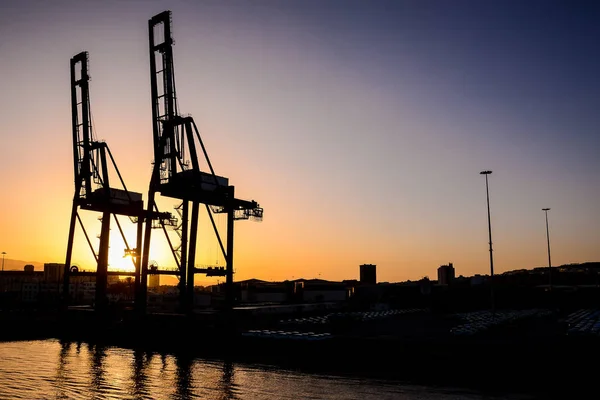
93 192
176 172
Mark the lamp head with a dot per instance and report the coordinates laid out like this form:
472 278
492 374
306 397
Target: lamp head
485 172
545 209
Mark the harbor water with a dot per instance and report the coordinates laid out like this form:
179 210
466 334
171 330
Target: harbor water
51 369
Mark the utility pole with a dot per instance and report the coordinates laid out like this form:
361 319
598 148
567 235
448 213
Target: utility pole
487 191
549 259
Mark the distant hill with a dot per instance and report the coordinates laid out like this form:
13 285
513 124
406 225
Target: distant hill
590 265
17 265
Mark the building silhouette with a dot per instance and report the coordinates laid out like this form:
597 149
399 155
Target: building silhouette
368 274
446 274
154 281
43 287
54 272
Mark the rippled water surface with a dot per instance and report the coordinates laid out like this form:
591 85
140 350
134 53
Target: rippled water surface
49 369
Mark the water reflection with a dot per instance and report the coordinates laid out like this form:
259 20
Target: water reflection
110 368
61 369
97 355
65 347
53 369
227 384
183 365
163 359
139 374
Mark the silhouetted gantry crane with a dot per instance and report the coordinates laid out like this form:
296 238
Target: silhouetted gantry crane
176 173
93 191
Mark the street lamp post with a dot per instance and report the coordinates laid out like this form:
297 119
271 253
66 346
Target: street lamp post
487 191
545 210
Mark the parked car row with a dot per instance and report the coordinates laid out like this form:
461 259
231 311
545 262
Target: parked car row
293 335
584 322
480 321
359 315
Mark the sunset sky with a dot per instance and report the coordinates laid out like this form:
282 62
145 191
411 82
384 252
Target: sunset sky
360 126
